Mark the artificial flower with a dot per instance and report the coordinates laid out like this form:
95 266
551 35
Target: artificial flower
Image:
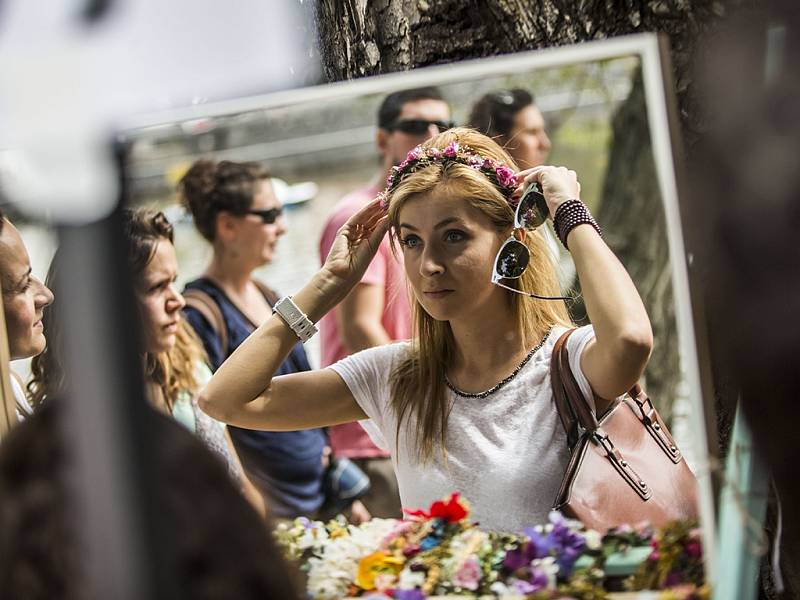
451 511
505 176
468 575
375 564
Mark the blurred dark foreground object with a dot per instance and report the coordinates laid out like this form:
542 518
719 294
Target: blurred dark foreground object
220 550
745 199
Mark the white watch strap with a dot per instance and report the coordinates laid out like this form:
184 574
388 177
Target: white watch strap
295 318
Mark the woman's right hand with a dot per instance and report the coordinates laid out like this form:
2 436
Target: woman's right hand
356 243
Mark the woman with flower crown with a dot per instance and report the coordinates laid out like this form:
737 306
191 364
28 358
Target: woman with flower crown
466 405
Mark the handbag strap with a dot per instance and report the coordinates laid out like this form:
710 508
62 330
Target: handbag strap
571 404
565 411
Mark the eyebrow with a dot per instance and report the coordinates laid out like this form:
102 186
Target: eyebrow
439 225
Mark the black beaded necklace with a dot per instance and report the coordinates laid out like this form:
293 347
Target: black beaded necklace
497 386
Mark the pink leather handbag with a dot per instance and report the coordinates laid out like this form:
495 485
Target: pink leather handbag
624 467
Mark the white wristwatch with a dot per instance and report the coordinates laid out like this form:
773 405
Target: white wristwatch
295 318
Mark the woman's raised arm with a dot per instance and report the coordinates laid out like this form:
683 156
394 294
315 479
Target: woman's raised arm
615 360
244 390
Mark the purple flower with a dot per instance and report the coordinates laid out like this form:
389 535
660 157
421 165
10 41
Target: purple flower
673 579
474 161
537 547
539 579
566 544
505 176
451 150
414 594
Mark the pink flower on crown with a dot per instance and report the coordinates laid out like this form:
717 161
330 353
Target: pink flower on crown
451 150
488 163
505 176
413 154
434 153
476 162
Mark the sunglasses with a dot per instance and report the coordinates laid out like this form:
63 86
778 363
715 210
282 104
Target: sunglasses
419 126
513 257
267 216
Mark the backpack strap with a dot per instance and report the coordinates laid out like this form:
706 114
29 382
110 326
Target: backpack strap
269 294
203 303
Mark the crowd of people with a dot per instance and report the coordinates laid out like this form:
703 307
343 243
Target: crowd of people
430 372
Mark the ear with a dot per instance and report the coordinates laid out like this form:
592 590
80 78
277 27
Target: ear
382 139
224 226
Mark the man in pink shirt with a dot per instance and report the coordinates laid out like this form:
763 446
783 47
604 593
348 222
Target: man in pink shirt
377 311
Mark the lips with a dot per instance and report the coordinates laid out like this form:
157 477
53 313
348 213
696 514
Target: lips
437 294
171 327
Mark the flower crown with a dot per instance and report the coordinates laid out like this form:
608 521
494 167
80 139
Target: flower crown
419 158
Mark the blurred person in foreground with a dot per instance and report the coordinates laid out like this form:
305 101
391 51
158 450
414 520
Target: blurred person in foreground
25 298
234 207
216 545
377 310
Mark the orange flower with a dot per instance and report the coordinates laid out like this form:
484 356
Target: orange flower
375 563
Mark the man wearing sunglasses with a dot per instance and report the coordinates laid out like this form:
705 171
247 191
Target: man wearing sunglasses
377 311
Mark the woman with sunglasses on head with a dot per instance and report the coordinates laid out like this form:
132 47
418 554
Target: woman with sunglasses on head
234 207
467 405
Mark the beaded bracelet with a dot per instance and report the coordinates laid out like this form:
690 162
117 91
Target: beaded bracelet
569 215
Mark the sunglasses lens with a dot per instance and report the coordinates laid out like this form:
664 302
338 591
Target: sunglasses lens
420 126
532 209
512 260
414 127
268 217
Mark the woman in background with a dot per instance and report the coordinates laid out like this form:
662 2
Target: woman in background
235 209
513 120
174 360
24 299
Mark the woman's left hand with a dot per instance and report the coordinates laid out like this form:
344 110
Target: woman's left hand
558 184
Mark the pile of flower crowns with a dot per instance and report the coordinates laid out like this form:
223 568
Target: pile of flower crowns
419 158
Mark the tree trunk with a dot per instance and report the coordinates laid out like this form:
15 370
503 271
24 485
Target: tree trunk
631 205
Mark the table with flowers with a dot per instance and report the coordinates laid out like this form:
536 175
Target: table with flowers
439 553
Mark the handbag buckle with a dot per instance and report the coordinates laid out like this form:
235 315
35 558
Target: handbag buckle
601 438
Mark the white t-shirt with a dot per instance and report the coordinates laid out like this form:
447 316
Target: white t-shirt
23 407
506 452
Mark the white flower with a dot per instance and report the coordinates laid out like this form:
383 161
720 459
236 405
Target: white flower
331 574
549 567
410 579
593 539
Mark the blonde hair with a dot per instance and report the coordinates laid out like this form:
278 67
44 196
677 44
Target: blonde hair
418 383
